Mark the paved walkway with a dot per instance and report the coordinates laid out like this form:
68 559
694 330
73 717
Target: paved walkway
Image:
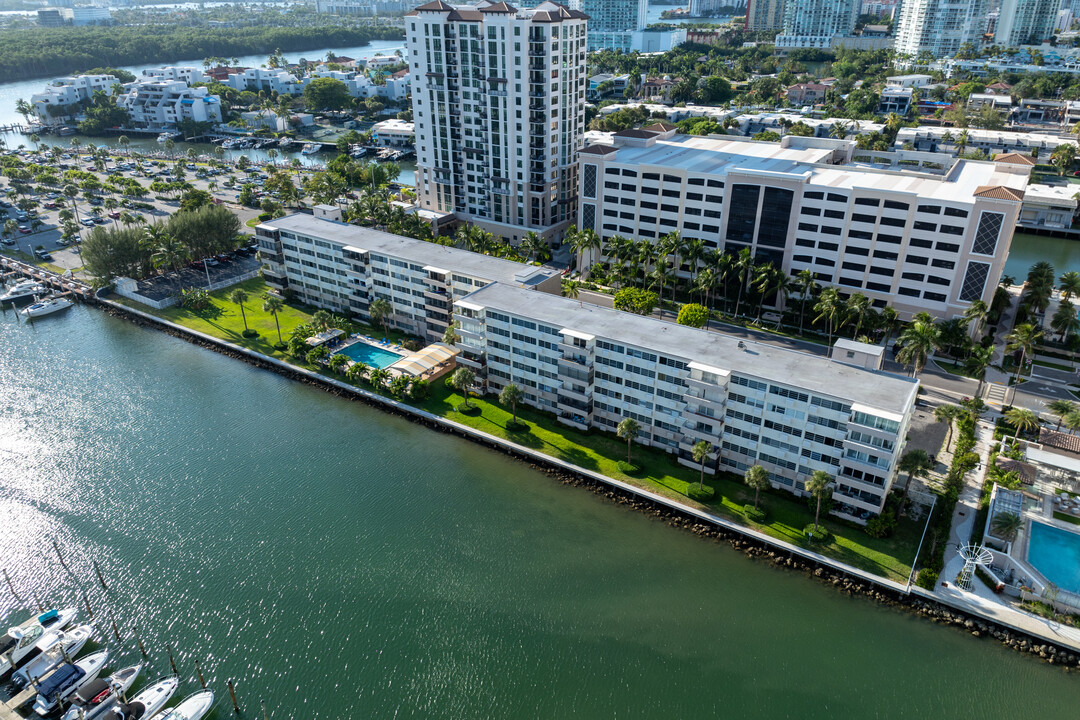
981 600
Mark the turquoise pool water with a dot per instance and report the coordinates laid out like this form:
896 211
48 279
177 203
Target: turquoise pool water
1056 554
370 355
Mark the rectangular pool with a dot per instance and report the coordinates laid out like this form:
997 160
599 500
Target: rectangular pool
370 355
1056 554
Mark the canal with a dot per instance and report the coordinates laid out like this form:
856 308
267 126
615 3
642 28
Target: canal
343 563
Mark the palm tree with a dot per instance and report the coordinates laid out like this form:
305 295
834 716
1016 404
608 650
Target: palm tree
273 305
1061 409
1065 322
947 414
701 451
238 296
123 141
743 265
356 371
889 321
860 309
534 245
757 477
380 311
820 487
511 395
705 282
450 336
916 343
628 430
378 377
977 313
977 362
337 362
806 285
1006 525
572 289
462 380
1069 284
828 306
916 463
1072 421
1021 419
1023 338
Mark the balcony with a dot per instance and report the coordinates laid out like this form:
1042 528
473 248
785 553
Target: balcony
574 420
578 393
570 404
497 93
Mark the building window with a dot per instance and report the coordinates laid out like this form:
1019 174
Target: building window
588 188
974 281
986 236
744 206
588 216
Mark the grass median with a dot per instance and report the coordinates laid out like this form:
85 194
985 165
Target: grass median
592 450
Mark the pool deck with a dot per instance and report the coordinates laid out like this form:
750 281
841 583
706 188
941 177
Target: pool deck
366 340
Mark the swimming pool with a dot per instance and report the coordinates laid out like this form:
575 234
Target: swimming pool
370 355
1056 554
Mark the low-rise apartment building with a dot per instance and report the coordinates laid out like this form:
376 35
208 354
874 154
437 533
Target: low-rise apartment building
943 139
344 268
62 97
754 404
160 104
266 79
918 241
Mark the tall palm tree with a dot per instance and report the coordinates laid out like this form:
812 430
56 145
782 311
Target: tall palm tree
511 395
628 430
977 363
273 305
757 478
705 282
1023 338
1065 322
976 314
701 451
820 487
380 311
583 241
807 285
916 463
1021 419
1061 409
860 309
463 380
916 343
889 321
533 245
947 414
829 306
742 266
240 296
1069 284
645 255
1006 525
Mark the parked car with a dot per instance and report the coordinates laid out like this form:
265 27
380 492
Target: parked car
24 229
43 255
114 215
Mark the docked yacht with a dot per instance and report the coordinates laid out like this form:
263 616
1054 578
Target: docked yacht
23 290
193 707
169 135
95 698
67 679
311 149
23 642
47 307
63 643
147 703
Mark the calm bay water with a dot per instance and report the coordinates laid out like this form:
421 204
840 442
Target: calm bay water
341 562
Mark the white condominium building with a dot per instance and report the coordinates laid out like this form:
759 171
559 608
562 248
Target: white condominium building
764 15
937 28
814 23
160 104
268 80
917 241
791 412
187 74
1026 22
342 267
612 23
58 100
498 98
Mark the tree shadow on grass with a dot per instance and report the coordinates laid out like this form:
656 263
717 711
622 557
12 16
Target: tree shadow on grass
211 312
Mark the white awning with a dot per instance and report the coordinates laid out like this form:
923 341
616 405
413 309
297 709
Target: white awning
708 368
576 334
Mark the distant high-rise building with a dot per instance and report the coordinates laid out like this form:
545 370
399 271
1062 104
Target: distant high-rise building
814 23
612 23
765 15
1026 22
498 101
939 27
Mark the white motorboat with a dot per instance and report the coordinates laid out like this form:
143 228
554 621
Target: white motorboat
65 643
22 643
168 135
147 703
66 680
193 707
311 149
47 307
23 290
95 698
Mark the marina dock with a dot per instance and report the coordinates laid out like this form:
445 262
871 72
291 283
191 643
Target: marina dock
10 269
8 709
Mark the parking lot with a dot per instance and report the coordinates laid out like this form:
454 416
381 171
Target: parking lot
199 275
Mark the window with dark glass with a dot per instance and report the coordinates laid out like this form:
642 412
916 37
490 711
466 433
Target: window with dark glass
986 235
773 228
744 206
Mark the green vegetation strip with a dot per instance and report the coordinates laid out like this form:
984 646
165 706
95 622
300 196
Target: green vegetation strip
593 450
1067 518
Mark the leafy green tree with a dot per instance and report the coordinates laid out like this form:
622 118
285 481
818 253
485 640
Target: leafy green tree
511 395
693 315
450 336
378 377
463 380
820 487
240 296
628 429
194 199
757 478
636 300
380 311
326 94
701 451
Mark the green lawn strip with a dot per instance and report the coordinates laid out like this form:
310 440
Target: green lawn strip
593 450
951 367
1054 366
1067 518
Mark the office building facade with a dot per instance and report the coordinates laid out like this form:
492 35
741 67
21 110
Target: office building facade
498 100
916 241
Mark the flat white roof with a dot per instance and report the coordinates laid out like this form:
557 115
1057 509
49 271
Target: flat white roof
883 394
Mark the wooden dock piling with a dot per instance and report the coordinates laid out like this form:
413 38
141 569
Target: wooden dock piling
198 669
11 587
232 694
